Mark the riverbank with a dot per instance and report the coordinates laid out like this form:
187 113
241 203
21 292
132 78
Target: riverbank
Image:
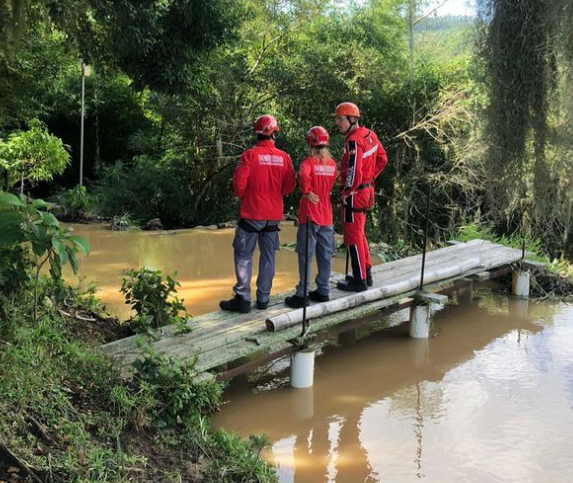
66 415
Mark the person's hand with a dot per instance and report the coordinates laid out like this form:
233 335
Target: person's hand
344 194
312 197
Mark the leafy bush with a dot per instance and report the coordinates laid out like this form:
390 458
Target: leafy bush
183 399
236 460
34 155
15 269
153 300
122 222
29 224
73 200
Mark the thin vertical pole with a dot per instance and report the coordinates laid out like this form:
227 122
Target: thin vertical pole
523 234
425 235
305 283
82 123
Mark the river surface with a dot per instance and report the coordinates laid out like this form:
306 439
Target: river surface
489 398
203 260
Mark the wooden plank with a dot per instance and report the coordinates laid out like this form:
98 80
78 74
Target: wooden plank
221 341
533 264
268 340
431 298
185 348
221 320
190 342
480 276
281 321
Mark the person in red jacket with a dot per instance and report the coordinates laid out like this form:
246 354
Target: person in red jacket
363 160
263 176
316 177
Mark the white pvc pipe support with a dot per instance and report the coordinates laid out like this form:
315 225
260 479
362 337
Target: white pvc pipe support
520 284
302 369
465 294
420 322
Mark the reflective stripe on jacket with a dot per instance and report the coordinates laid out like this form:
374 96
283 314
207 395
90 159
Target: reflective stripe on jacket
363 160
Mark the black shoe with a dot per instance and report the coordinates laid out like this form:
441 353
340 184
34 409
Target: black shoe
262 305
317 297
294 302
352 286
236 304
369 280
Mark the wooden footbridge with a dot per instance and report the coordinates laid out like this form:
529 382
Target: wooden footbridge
227 344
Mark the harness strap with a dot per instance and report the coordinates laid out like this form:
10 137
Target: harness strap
368 184
245 226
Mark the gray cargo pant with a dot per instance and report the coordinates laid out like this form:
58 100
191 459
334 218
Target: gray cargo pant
321 241
244 247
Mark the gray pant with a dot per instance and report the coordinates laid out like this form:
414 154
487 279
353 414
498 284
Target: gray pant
244 247
321 240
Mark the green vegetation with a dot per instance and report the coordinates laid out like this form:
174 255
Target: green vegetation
67 413
153 300
174 89
445 38
33 155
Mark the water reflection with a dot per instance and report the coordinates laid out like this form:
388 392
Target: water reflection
488 399
203 260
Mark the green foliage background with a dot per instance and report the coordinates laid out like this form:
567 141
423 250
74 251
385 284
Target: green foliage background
474 111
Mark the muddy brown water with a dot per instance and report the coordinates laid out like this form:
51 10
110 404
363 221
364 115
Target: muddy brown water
203 260
489 398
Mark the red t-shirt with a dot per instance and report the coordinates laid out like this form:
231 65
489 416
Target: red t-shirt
319 178
264 175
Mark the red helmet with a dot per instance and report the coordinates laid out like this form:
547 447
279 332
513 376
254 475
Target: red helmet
317 136
266 125
347 109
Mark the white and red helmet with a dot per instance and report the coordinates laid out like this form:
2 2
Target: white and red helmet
266 125
317 136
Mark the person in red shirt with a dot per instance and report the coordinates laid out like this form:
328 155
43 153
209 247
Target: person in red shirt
316 177
363 160
262 178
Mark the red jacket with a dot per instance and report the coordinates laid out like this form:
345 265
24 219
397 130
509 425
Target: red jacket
264 175
318 178
363 160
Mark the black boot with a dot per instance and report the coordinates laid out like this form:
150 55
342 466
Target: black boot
317 297
369 280
352 285
236 304
262 305
294 302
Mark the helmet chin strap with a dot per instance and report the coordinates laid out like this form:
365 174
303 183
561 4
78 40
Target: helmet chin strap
351 124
